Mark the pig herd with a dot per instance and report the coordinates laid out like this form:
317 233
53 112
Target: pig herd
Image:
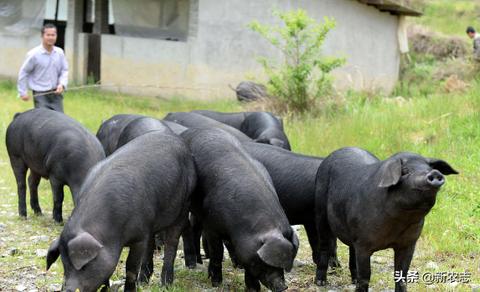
221 179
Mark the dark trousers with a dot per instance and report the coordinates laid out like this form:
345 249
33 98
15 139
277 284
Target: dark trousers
48 100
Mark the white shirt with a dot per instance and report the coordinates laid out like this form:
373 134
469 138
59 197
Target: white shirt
43 70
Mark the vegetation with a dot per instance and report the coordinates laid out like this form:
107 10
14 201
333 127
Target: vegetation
303 77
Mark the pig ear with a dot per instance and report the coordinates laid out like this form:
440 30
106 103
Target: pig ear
277 252
390 172
82 249
441 166
53 252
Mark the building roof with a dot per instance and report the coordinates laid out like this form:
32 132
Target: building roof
396 7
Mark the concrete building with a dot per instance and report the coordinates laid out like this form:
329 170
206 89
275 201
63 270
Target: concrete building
196 48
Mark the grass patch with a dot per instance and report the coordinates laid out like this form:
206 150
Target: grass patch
450 17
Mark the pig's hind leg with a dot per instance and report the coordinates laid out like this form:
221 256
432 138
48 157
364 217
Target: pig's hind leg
33 181
172 237
215 248
20 171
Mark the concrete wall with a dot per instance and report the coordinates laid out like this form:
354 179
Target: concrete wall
221 50
13 50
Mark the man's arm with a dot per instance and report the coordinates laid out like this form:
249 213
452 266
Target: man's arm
63 78
25 71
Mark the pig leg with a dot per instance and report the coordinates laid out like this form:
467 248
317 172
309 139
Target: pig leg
352 264
251 283
403 257
105 287
333 261
20 171
172 236
363 269
33 181
205 246
233 256
57 189
215 247
189 249
312 236
325 237
197 234
146 269
134 261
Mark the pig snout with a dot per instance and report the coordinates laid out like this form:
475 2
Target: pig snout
275 282
278 285
435 178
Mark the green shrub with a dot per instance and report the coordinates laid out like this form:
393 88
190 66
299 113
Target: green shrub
303 76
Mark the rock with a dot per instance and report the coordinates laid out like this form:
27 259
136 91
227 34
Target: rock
41 253
298 263
20 287
379 260
13 251
249 91
453 284
115 285
2 227
55 287
432 265
40 238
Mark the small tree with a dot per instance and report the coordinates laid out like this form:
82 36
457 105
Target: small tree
304 76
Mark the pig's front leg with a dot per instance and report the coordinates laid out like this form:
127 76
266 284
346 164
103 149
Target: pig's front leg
134 260
403 257
251 283
363 269
146 269
57 190
352 264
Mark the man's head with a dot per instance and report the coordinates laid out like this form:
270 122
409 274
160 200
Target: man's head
49 34
471 32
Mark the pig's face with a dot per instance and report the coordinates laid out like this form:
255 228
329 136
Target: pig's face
413 180
274 254
86 262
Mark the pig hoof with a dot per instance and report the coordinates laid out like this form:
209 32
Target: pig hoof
58 219
191 266
38 212
216 283
334 263
321 283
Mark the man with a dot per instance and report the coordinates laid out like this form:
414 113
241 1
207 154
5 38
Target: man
45 72
476 42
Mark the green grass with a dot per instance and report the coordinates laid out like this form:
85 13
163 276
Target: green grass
450 16
442 126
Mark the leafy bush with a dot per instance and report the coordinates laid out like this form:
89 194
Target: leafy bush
303 77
